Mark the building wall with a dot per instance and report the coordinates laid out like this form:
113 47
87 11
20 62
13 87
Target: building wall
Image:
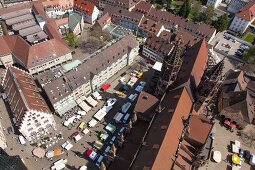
77 30
3 143
128 24
90 19
84 89
36 122
214 3
239 25
236 5
50 64
154 56
99 79
7 60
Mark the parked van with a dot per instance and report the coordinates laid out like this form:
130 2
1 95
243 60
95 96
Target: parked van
125 107
132 97
126 118
22 140
99 160
112 140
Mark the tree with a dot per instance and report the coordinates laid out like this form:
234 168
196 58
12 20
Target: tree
169 2
249 56
207 15
195 11
72 40
222 23
185 9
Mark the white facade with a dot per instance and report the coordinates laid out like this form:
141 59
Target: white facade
36 123
154 56
239 25
98 80
50 64
3 144
7 60
214 3
91 19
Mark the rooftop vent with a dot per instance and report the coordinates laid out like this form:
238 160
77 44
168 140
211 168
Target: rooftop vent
145 97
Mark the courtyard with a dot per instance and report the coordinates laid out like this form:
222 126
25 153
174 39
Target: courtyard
222 143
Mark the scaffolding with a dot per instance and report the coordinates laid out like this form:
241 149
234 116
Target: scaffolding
170 68
209 87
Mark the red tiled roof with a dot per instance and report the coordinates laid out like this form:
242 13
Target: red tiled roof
105 19
15 8
161 142
4 48
61 21
199 129
143 7
169 20
85 6
23 90
150 25
248 12
31 56
119 13
145 105
194 64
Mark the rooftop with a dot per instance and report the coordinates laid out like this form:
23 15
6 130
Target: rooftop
63 86
194 64
199 129
85 6
119 13
146 105
40 53
143 7
247 12
161 143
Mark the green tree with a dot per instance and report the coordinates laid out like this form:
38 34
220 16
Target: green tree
72 40
169 2
207 15
195 11
185 9
249 56
222 23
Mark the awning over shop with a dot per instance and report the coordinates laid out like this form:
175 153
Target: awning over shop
66 107
100 114
91 101
106 86
84 106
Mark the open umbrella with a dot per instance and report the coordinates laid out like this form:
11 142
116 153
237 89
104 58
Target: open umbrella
38 152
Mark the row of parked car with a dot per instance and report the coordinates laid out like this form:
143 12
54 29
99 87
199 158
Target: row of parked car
241 50
121 118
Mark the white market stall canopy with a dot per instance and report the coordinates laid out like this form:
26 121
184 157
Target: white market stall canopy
91 101
84 106
107 108
92 123
100 114
97 95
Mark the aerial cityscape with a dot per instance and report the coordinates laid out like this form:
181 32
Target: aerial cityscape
127 84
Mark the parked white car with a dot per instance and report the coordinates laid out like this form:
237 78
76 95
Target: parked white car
111 101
